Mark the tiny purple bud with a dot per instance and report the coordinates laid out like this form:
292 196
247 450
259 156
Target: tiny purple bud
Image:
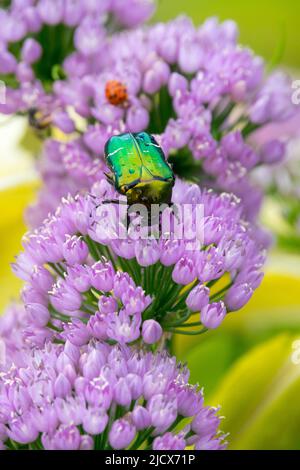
24 72
41 279
22 430
169 441
198 298
73 11
206 422
32 19
76 332
79 277
152 82
177 83
171 251
168 49
102 276
273 151
86 443
137 119
93 364
107 304
184 271
141 417
122 281
147 252
31 51
190 56
135 384
38 314
94 420
122 394
31 295
151 331
121 433
163 411
75 250
67 438
213 314
72 351
65 298
51 11
237 296
62 386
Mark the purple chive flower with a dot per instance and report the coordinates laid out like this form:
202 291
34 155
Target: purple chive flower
184 271
126 289
76 332
102 276
22 431
67 403
163 411
209 117
75 250
88 23
141 417
64 297
140 11
206 422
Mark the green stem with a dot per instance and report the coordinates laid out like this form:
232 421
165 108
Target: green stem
92 247
141 438
188 333
187 325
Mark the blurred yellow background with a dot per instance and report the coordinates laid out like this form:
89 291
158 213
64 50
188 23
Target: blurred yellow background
18 182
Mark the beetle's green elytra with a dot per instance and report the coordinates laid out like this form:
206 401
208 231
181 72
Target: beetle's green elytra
139 168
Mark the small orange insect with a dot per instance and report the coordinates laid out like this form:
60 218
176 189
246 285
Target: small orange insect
116 92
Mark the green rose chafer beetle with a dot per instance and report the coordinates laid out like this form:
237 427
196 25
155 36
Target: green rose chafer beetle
139 169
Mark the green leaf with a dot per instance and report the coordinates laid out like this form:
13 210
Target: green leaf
260 397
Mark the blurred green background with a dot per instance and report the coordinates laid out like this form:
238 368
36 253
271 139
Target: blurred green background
251 364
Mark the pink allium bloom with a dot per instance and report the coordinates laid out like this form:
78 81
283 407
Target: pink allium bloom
77 272
63 395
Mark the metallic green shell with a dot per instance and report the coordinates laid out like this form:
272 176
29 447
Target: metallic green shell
136 158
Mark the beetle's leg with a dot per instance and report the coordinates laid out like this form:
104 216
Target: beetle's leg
110 178
114 201
174 211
